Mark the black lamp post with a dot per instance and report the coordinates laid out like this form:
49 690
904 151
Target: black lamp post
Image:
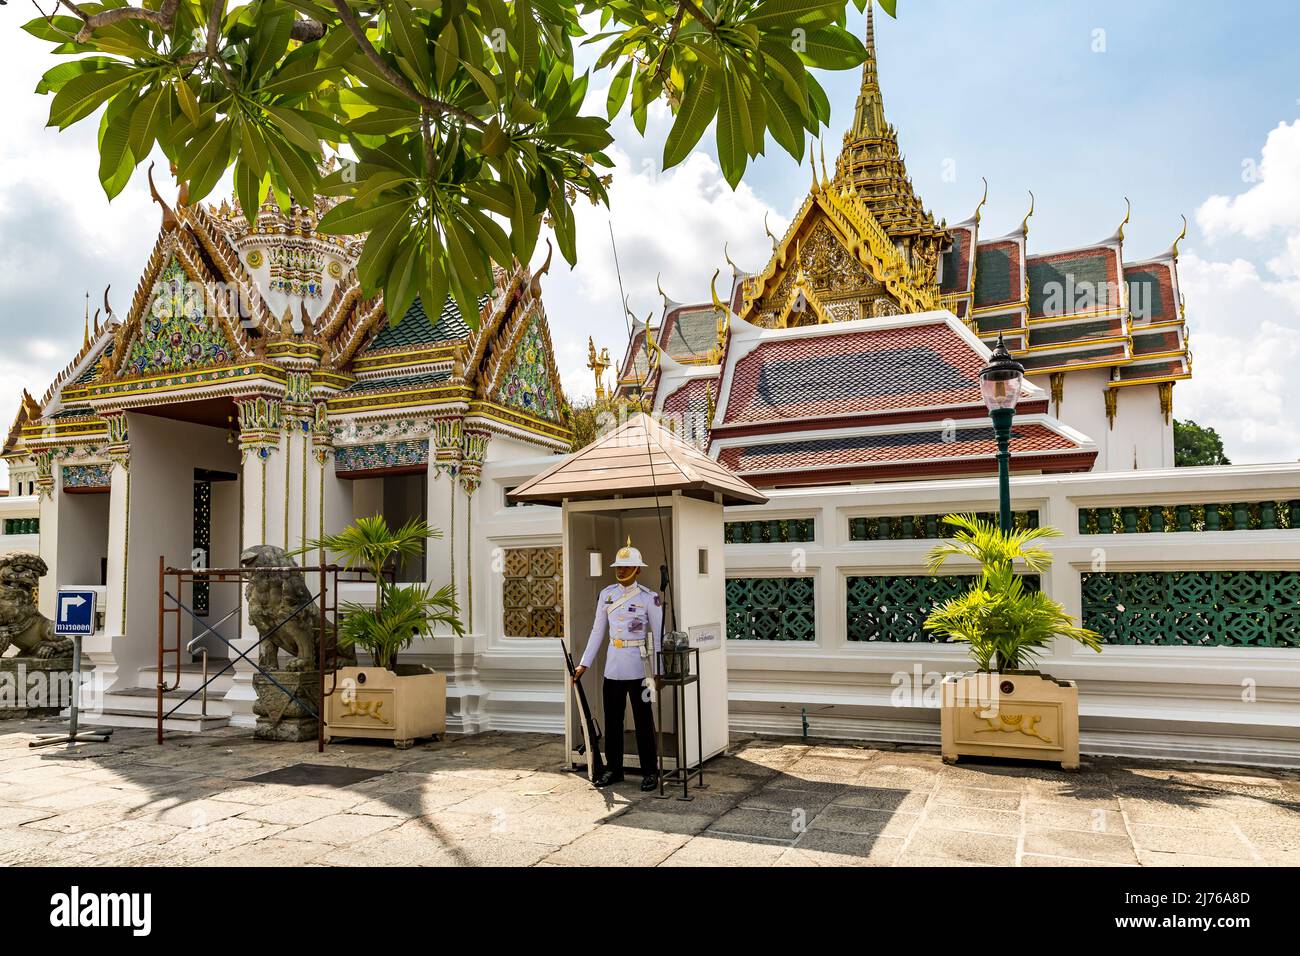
1000 383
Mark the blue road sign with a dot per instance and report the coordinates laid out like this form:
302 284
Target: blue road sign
75 612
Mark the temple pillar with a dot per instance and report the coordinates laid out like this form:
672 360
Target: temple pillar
265 508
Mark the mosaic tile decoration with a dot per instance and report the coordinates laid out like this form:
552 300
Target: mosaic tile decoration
528 386
380 455
532 592
87 476
175 334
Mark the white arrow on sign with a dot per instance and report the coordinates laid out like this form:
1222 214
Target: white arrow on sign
67 602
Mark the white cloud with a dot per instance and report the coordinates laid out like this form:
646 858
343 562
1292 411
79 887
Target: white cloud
1245 324
1273 200
672 223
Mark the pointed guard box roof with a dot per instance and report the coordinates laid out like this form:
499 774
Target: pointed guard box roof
640 458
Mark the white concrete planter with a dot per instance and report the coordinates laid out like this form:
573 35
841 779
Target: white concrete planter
1018 715
376 703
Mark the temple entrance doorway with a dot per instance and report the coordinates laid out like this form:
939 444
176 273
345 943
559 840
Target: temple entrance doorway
184 504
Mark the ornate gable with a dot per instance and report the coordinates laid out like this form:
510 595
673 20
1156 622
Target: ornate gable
529 381
175 333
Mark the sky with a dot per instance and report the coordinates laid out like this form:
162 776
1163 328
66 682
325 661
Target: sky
1186 108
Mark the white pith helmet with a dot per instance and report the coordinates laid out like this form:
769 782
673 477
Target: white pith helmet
628 557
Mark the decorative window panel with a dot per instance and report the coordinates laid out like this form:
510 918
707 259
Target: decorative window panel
893 608
532 593
1155 519
771 609
905 527
96 477
22 525
1194 608
773 531
381 455
202 542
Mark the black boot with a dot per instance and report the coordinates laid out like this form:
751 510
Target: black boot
609 778
649 782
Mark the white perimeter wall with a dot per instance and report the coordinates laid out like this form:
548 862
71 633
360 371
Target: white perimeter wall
1145 700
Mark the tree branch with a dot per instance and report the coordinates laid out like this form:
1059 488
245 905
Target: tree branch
163 18
394 77
697 11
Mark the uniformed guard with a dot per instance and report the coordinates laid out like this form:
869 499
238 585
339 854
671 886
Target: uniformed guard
632 615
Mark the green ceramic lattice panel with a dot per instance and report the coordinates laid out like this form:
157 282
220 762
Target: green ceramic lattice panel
1194 608
893 608
771 609
771 531
1226 516
906 527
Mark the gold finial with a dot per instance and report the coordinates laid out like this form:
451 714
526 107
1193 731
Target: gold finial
669 302
1128 212
535 284
812 164
169 220
767 229
1024 226
30 407
822 146
726 254
983 200
85 336
1181 236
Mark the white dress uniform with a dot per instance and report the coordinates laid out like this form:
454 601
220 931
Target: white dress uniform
634 619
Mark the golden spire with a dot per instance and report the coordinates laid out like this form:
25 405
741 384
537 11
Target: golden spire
85 337
869 116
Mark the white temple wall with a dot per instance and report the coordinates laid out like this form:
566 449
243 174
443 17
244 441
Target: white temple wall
1140 431
1231 703
164 454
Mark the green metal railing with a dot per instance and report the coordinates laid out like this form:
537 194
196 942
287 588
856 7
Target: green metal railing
1232 516
905 527
1194 608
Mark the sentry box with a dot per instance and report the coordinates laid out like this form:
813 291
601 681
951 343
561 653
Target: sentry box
641 481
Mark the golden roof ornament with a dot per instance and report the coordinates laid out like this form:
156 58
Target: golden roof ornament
1024 225
1173 250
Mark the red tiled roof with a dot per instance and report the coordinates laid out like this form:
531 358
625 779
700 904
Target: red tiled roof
869 450
877 370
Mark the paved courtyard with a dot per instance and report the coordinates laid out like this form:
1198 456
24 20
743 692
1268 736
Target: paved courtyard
502 799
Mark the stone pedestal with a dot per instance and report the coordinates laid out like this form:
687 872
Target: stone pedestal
279 716
34 686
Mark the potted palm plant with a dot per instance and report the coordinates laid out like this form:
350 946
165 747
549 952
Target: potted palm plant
1007 708
388 701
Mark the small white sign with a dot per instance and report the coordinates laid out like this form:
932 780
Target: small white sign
705 637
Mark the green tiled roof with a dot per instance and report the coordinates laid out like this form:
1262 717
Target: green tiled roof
993 277
85 377
693 333
1001 322
1077 332
1144 287
1083 277
396 383
416 329
952 262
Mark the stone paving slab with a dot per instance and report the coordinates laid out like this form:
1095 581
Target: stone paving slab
503 799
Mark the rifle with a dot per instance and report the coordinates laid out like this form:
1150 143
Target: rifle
591 738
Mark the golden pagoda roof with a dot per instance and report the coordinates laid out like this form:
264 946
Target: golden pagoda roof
871 165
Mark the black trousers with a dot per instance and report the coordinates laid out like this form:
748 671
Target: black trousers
614 693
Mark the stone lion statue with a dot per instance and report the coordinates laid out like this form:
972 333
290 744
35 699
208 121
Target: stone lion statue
21 624
274 596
